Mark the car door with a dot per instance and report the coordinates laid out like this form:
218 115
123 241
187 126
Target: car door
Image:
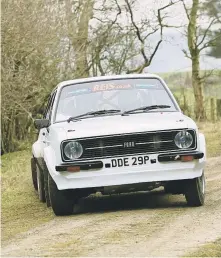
47 115
44 132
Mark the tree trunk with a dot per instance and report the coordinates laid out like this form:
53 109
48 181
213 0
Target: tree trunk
194 52
80 42
197 87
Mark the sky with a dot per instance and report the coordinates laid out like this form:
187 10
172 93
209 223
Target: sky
170 57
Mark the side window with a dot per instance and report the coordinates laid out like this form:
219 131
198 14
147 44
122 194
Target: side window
47 114
47 107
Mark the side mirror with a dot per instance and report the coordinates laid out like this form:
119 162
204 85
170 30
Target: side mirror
41 123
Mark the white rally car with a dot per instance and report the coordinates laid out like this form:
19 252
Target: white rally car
115 134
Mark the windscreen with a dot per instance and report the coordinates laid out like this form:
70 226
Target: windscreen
122 94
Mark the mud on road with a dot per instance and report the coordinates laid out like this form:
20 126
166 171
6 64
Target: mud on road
139 224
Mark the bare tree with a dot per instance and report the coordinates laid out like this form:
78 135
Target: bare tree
44 42
116 47
198 41
143 34
29 66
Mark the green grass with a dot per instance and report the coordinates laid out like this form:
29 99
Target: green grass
209 250
212 133
21 209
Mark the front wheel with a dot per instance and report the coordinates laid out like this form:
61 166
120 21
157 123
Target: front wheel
61 200
195 191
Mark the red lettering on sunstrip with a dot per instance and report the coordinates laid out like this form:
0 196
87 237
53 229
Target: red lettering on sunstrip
110 87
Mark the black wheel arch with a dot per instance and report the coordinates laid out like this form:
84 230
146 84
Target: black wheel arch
43 167
34 173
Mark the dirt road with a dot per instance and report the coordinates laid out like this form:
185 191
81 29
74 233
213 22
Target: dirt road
141 224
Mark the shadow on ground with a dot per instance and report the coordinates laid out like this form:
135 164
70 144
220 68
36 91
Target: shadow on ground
132 201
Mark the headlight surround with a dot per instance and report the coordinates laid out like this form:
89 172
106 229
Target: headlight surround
183 140
73 150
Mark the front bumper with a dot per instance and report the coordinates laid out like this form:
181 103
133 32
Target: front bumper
98 164
101 176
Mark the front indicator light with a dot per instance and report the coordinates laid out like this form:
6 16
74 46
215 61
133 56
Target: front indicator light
73 169
187 158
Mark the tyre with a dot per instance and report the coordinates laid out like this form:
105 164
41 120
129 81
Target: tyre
40 183
195 191
45 173
62 202
34 174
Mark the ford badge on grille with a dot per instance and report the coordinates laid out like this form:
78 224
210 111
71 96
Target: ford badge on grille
129 144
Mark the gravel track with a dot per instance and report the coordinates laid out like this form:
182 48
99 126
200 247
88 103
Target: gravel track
140 224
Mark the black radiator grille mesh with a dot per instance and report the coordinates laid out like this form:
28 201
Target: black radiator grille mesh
128 144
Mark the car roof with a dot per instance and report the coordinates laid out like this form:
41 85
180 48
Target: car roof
109 77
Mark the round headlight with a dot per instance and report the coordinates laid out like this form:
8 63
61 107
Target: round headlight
73 150
183 139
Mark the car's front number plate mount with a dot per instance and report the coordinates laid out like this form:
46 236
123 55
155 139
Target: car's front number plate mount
129 161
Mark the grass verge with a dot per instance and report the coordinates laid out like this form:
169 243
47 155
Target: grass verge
212 132
21 209
209 250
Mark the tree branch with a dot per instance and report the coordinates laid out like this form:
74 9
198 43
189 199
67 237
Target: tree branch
186 54
147 61
206 32
207 74
209 43
137 33
186 10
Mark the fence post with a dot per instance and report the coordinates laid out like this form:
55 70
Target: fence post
213 109
218 107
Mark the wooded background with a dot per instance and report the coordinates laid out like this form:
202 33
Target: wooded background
45 42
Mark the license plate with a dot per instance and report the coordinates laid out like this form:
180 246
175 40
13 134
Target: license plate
129 161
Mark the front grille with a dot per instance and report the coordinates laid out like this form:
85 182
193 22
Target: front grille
128 144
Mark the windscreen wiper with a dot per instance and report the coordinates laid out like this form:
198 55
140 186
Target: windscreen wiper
93 113
145 109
